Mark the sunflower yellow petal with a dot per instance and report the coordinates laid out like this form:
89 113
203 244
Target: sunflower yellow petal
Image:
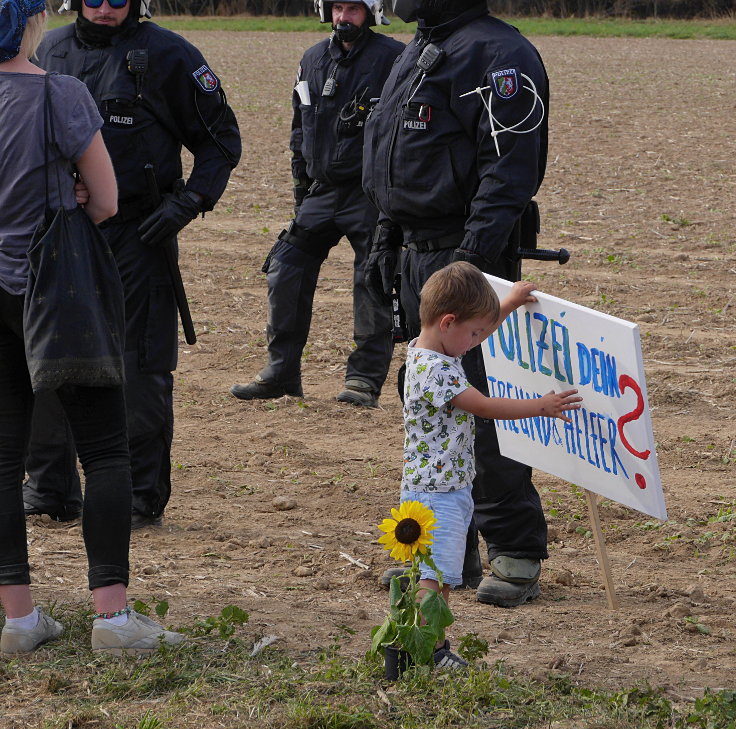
388 525
423 516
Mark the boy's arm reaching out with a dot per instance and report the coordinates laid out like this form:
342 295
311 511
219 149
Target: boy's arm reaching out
519 295
552 405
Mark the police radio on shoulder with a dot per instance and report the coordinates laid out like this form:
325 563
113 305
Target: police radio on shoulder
430 58
137 60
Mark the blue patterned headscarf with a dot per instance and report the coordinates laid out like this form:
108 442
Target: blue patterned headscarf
13 17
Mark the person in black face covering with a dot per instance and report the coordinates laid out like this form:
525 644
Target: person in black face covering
454 153
433 12
336 80
155 93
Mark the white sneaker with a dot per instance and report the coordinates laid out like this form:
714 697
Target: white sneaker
16 640
138 636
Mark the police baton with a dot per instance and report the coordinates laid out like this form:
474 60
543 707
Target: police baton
173 265
541 254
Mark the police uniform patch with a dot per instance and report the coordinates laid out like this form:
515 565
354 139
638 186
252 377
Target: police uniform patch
505 83
417 116
206 79
120 120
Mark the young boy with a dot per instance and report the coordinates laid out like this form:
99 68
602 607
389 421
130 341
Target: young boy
458 310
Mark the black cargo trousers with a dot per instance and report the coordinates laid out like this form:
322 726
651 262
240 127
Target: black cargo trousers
151 349
326 214
507 508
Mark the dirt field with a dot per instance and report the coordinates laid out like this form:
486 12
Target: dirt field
641 189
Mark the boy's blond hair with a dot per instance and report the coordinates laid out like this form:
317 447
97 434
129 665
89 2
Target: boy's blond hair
460 289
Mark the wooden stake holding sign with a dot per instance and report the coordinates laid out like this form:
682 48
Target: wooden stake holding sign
600 549
608 448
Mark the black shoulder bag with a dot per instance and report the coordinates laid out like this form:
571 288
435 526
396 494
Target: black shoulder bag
73 314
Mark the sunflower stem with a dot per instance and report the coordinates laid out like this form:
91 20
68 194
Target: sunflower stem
407 536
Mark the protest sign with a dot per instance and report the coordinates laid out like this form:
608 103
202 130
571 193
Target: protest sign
558 345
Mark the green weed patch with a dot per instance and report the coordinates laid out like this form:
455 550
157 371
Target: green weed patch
215 676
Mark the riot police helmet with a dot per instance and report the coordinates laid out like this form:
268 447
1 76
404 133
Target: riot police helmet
141 7
375 11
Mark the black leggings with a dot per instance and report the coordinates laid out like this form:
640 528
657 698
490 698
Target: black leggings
97 418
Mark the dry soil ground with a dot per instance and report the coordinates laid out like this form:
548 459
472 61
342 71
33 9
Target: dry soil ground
641 189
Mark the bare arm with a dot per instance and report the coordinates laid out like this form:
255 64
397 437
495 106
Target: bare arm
552 405
99 177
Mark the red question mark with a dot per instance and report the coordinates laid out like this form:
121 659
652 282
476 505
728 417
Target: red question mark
624 382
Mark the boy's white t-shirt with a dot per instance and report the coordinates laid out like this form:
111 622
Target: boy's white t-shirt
438 449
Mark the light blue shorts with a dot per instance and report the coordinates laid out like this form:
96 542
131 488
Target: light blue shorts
453 511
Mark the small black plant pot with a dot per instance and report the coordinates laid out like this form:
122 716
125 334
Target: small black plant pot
395 662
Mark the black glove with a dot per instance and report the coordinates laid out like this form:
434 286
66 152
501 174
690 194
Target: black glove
383 259
176 210
476 259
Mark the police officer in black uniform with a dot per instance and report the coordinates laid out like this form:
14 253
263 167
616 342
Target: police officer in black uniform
155 93
454 152
336 81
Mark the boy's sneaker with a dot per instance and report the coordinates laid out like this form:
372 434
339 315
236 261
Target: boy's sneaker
138 636
446 660
16 640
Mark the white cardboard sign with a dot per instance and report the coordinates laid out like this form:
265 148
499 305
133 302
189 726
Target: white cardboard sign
558 345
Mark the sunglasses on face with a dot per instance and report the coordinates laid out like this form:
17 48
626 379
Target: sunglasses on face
116 4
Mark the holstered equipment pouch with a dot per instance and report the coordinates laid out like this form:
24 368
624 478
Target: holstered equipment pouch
523 236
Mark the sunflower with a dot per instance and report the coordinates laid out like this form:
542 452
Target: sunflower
408 531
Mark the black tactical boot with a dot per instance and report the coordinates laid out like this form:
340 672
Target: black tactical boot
261 389
141 521
396 572
513 582
472 568
470 581
358 392
57 513
63 508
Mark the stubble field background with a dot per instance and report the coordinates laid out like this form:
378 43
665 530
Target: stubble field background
641 189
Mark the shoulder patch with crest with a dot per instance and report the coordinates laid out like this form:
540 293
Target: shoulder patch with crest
505 83
205 78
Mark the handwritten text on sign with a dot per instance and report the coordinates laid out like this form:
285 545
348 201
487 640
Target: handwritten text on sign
557 345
